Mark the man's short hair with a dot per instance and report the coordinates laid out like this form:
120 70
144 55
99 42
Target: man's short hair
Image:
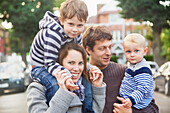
71 8
95 33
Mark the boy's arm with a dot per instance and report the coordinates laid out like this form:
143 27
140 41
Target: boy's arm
52 45
144 85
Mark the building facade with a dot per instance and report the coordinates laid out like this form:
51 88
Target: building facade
108 15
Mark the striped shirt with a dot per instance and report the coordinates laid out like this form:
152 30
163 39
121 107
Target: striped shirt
137 85
47 43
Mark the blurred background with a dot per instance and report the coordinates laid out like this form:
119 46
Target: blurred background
19 21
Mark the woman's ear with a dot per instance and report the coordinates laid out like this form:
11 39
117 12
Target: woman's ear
61 21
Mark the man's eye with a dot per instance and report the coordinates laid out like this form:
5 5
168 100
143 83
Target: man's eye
71 24
101 48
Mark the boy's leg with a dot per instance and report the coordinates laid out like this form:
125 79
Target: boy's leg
41 75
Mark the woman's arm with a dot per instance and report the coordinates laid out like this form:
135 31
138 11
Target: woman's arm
99 95
36 100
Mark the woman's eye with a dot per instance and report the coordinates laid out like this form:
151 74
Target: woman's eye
81 63
70 62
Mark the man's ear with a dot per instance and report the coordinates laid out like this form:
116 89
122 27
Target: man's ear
145 50
88 50
61 21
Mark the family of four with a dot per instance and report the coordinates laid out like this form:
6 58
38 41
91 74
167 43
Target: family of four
64 82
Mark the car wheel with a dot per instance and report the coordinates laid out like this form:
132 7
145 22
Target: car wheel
1 92
167 88
154 86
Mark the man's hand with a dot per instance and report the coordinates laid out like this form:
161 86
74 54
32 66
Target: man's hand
127 103
96 76
119 108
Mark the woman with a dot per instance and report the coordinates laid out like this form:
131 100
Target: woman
90 97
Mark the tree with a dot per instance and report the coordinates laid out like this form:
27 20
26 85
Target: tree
165 38
24 16
152 11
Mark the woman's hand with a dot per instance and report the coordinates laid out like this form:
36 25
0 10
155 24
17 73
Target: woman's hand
64 81
62 77
96 76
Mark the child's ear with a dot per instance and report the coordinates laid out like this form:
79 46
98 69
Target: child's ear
61 21
145 50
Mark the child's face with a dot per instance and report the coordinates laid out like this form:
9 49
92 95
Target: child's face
134 52
73 27
74 63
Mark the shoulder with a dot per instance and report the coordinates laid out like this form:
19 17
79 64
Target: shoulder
116 65
35 87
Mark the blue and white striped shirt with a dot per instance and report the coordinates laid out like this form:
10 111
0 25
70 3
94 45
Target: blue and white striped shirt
47 43
137 84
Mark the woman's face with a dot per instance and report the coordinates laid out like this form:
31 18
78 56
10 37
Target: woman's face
74 63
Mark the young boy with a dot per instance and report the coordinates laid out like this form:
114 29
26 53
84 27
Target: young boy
55 32
137 85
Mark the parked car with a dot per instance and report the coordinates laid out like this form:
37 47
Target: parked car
162 79
12 77
154 67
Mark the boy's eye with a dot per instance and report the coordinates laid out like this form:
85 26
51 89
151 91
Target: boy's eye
102 48
136 50
127 51
80 25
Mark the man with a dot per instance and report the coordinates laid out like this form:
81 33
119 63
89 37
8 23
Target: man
97 41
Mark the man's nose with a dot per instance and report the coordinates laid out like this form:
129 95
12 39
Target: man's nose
108 51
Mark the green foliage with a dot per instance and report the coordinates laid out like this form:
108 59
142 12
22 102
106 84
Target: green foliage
114 58
152 11
149 57
165 38
24 16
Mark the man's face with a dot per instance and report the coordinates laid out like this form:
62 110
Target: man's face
101 53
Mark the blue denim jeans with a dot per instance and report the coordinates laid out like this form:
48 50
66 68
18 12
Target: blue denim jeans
41 75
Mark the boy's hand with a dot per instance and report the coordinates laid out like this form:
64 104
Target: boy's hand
96 76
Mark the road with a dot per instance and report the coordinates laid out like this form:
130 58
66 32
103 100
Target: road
16 103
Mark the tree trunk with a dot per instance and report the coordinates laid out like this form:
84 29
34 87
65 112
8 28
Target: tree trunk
23 52
157 45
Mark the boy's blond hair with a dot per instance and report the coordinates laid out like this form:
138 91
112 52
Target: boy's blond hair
135 38
71 8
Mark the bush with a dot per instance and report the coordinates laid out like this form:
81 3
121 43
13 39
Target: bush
114 58
148 57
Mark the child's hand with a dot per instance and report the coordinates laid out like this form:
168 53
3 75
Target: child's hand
127 103
96 76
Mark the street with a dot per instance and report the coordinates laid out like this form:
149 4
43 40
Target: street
16 103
